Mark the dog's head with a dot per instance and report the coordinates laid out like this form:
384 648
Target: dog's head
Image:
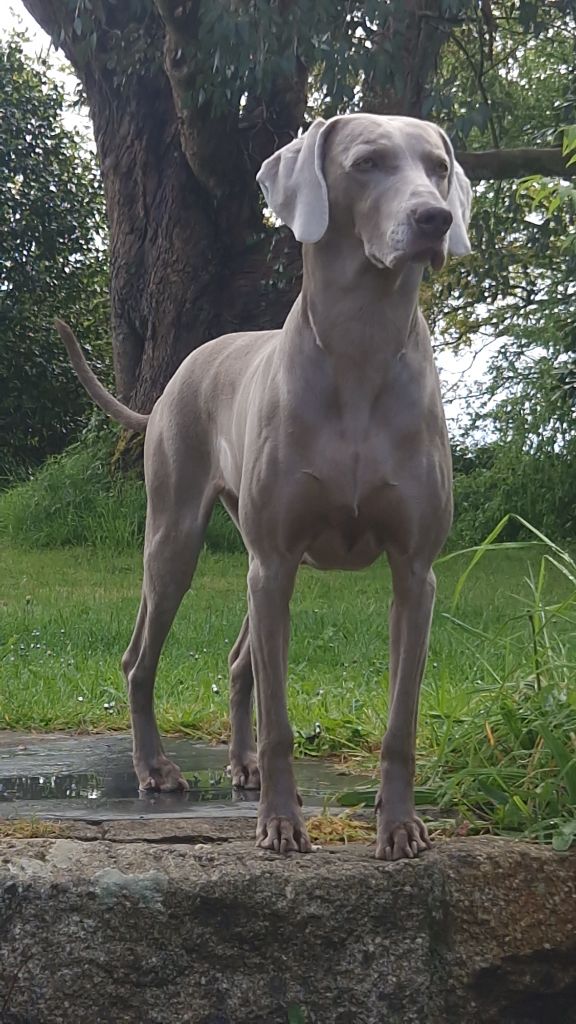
392 182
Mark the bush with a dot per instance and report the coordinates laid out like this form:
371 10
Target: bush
52 262
77 499
539 488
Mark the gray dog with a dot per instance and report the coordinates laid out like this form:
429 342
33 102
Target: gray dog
325 441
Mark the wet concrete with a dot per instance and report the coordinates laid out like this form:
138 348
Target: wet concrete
91 778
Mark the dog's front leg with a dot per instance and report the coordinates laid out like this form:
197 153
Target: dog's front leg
280 822
400 832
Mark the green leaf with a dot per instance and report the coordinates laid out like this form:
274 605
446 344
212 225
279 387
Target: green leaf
564 758
295 1014
569 139
564 836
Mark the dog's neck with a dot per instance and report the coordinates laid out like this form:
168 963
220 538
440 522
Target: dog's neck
355 310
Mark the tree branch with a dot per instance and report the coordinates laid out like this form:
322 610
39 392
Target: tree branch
225 145
56 18
498 164
210 141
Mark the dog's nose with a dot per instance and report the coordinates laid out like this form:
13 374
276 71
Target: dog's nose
433 221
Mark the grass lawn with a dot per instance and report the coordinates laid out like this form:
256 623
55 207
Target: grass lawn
498 716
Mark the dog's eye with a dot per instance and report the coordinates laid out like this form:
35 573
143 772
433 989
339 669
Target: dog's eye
366 163
441 168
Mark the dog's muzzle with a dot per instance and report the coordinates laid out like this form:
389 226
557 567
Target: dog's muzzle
431 223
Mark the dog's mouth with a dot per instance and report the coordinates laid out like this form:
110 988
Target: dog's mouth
427 254
432 254
377 261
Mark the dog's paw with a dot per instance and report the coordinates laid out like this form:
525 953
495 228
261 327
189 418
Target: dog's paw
401 839
160 776
282 834
243 770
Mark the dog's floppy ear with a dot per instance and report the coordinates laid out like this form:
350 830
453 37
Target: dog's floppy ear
293 184
459 202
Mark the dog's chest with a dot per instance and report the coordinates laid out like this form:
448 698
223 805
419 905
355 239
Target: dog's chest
351 464
365 431
346 505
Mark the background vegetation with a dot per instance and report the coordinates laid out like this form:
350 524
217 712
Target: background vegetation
166 91
52 257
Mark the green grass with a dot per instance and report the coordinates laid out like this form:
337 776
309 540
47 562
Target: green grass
79 499
497 733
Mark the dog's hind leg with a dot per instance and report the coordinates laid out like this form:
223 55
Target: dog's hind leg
174 536
243 756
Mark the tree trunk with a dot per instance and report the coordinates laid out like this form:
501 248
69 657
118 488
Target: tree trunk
164 251
176 280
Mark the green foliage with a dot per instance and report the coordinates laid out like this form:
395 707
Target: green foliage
524 777
547 195
506 758
51 260
76 498
234 52
517 288
498 714
540 487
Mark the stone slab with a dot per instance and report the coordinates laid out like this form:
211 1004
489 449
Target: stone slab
478 931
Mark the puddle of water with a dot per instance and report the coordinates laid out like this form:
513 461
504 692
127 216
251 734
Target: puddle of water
91 777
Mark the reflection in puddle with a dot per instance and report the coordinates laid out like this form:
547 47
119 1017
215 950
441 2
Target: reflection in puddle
204 785
92 777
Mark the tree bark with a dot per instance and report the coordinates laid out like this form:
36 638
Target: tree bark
163 247
178 277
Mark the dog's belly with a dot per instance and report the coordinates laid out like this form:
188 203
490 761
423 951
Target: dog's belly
339 548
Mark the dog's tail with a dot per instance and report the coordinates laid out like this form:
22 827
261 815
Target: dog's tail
98 393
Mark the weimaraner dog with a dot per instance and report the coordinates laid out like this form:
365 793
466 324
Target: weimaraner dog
325 441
